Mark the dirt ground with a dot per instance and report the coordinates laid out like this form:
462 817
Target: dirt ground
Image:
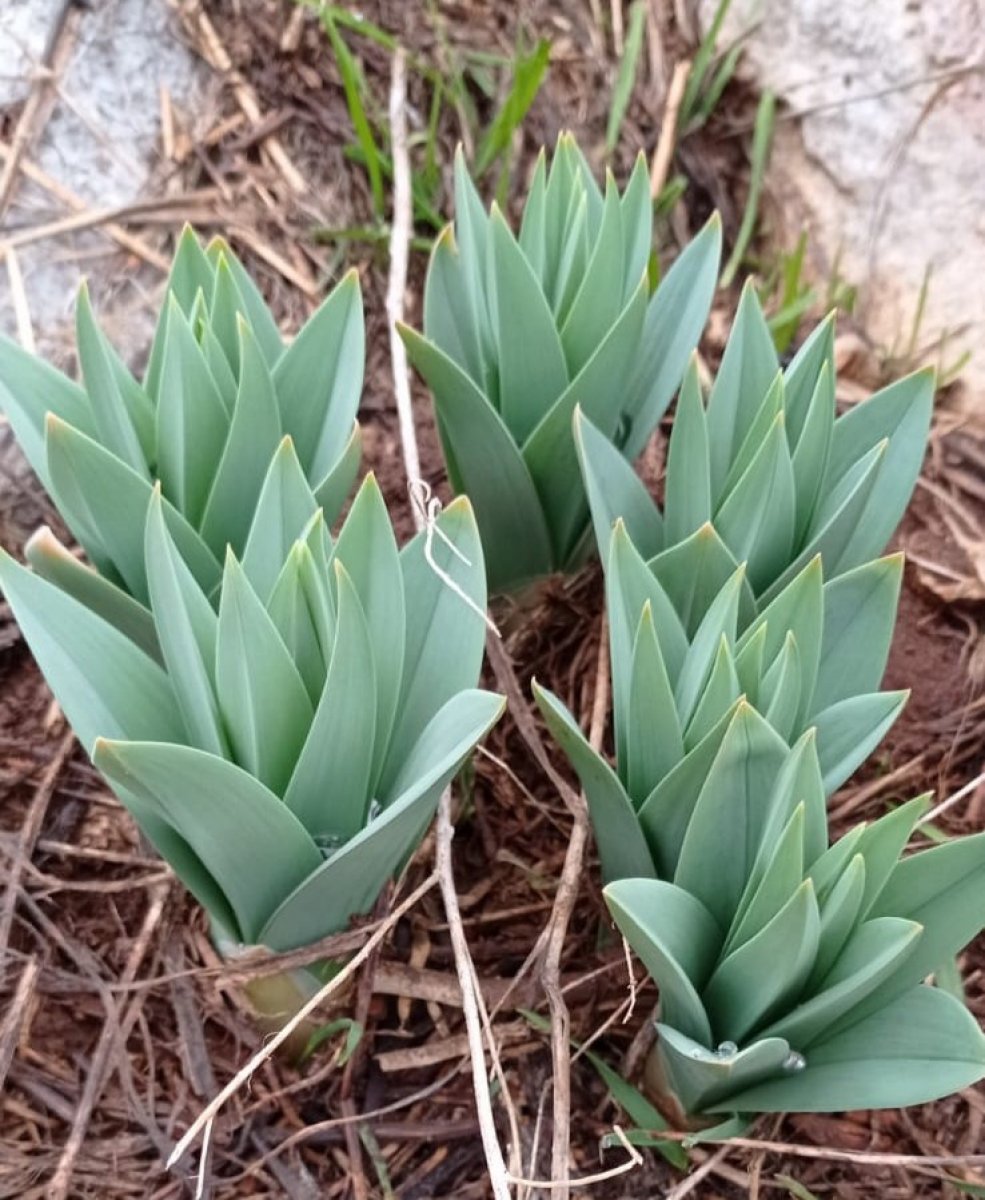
119 1022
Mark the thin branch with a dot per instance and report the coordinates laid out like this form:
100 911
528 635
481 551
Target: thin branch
667 142
498 1175
400 233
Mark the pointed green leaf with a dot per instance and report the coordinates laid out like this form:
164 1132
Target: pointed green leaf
802 377
921 1046
700 1075
599 298
319 377
653 739
719 621
622 849
859 617
262 698
228 818
191 273
676 939
285 507
720 692
839 916
106 686
262 323
55 563
770 888
514 536
687 498
810 458
850 730
329 788
694 571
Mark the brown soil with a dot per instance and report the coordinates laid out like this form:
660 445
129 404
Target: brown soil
122 1049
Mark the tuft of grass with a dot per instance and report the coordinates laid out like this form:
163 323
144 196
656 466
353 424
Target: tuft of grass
761 142
528 75
626 77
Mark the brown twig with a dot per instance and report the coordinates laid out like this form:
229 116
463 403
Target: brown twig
16 1012
667 142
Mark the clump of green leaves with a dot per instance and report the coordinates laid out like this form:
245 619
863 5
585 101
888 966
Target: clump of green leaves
769 463
285 750
791 973
521 329
220 392
687 647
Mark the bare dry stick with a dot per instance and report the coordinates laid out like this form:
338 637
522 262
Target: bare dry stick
62 1178
397 281
861 1157
664 153
553 1185
208 1114
959 795
35 113
30 829
22 312
687 1186
66 196
10 1031
498 1175
217 56
564 902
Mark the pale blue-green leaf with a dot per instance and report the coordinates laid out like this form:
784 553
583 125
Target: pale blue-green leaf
550 452
262 698
192 423
810 458
721 620
828 867
799 782
319 377
881 845
748 368
687 497
859 618
302 620
329 789
839 917
700 1075
781 694
615 490
226 312
191 273
284 508
629 584
730 814
749 664
533 223
449 318
106 685
599 298
333 491
849 730
922 1045
762 422
218 364
719 693
674 322
576 249
637 225
515 541
767 971
532 368
873 952
676 939
254 306
654 744
694 571
367 549
622 849
254 434
445 635
833 522
778 873
901 413
253 846
109 409
801 378
186 626
103 501
351 880
59 566
665 814
756 520
30 389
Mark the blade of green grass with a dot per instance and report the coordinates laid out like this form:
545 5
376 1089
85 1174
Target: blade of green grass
353 86
626 78
761 141
699 67
528 75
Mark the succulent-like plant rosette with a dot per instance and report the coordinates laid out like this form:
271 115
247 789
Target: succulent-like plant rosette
519 329
791 973
769 463
688 647
285 753
220 392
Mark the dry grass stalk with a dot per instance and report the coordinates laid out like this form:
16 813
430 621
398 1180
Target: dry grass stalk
666 143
